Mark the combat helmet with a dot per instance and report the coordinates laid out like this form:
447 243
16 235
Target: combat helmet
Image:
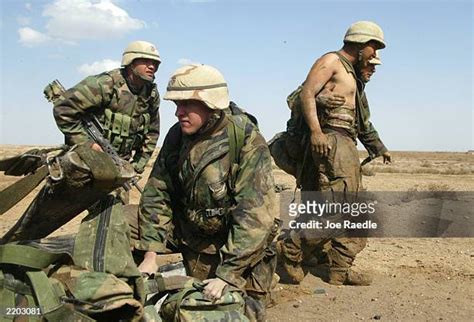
140 49
364 31
199 82
376 60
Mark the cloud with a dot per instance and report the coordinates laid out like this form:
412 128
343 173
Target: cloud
23 21
98 67
84 19
186 61
30 37
69 21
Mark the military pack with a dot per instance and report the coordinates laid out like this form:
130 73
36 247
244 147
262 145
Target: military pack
189 304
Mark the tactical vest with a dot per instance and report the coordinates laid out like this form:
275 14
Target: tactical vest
206 209
126 119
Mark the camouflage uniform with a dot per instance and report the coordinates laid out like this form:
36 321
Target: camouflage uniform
339 171
367 134
130 118
219 215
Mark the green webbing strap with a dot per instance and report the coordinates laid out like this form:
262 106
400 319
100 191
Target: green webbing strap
232 142
49 302
17 191
236 134
169 283
27 256
7 296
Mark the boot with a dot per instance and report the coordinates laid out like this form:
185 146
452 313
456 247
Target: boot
347 276
292 271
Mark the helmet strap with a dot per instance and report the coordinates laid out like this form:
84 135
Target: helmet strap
144 78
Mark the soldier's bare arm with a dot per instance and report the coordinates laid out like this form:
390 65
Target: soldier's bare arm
320 74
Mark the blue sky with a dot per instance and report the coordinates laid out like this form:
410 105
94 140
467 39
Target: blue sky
421 97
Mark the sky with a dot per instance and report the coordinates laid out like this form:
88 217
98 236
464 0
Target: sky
420 97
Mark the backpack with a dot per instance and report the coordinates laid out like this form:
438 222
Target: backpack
189 304
45 284
288 148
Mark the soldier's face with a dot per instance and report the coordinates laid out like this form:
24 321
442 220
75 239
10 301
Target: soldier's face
145 67
367 72
368 52
192 115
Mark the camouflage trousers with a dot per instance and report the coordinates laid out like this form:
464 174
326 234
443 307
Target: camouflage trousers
258 277
339 172
203 266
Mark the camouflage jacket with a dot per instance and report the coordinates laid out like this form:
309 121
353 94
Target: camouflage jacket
131 121
367 134
196 197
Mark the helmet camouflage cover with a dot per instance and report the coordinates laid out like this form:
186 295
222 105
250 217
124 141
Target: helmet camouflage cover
362 32
376 60
199 82
140 49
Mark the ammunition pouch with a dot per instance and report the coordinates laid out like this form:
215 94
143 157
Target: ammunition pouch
119 132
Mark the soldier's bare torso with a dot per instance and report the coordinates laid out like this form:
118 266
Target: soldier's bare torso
341 82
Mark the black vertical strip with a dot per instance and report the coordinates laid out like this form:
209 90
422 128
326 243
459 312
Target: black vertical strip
101 238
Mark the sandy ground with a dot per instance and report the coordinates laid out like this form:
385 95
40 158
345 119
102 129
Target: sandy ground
414 279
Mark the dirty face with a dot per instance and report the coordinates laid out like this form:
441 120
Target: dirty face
192 115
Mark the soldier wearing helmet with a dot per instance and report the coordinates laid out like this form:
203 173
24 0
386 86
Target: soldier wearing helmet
124 100
210 192
334 117
367 134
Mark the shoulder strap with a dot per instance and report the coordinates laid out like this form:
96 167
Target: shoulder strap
11 195
27 256
236 133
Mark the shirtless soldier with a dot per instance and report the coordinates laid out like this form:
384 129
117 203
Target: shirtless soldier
335 161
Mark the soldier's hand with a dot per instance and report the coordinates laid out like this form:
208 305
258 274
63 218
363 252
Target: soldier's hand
387 158
149 265
214 289
320 144
330 100
96 147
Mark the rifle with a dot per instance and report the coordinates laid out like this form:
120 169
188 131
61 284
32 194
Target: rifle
94 129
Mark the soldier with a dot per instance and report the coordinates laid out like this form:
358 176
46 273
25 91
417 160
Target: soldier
334 162
367 134
211 194
124 100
